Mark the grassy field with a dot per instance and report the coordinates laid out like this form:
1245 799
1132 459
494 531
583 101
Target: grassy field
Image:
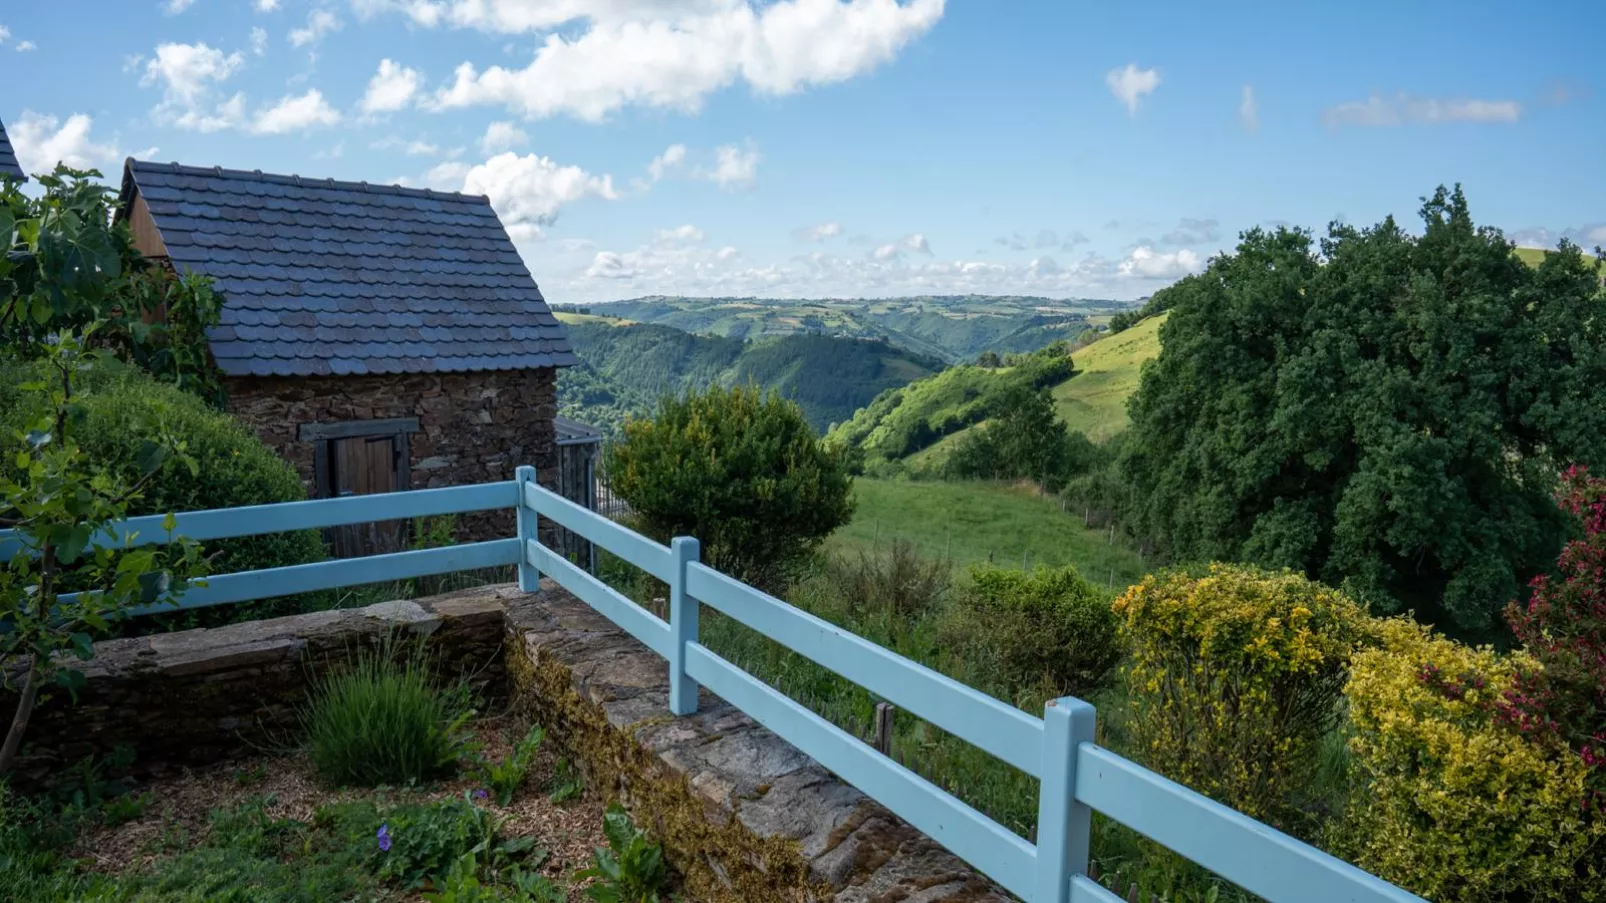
569 318
1094 400
1535 256
968 522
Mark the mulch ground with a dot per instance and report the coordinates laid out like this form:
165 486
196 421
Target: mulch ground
180 807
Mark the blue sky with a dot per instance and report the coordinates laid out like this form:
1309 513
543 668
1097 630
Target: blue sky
865 148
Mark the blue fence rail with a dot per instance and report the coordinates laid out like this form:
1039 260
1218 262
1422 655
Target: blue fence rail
1077 777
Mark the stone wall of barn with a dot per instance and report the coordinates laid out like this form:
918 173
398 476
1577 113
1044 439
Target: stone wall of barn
472 427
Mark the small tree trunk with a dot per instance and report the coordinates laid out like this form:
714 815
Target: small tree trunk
19 721
36 665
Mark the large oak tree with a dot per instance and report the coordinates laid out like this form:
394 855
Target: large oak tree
1383 411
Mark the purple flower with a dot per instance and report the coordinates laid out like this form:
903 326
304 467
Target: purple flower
384 838
480 794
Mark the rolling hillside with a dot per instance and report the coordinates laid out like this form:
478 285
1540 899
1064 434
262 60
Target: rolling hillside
951 328
1535 256
626 367
920 423
906 419
1094 400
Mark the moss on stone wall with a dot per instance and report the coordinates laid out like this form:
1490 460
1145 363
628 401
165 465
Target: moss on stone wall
722 861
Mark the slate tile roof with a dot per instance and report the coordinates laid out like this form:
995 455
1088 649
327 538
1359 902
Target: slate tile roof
334 278
8 160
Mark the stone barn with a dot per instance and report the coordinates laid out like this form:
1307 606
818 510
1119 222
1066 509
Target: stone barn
379 337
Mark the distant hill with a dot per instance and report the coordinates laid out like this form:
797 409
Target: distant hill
902 421
953 328
921 422
1535 256
627 366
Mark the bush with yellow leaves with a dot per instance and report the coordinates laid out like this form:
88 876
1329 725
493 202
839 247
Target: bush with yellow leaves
1234 678
1450 800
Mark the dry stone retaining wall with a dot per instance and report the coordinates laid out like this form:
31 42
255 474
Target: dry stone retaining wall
193 697
744 816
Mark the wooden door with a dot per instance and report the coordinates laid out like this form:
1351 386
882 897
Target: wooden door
361 465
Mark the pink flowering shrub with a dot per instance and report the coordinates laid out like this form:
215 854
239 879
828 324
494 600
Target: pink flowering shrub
1562 699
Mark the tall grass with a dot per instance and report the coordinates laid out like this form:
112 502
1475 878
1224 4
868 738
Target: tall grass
381 719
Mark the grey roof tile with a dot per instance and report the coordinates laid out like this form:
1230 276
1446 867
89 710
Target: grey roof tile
321 277
8 160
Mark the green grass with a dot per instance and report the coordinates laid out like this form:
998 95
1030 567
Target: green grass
1094 400
969 521
382 720
569 317
1535 256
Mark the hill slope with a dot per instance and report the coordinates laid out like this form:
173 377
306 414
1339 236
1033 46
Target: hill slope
627 366
921 422
904 420
1094 401
954 328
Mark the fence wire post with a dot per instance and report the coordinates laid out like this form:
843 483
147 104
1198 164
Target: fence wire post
1064 826
883 728
683 612
529 577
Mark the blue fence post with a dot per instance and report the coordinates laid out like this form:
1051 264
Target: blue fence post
529 577
1064 826
683 612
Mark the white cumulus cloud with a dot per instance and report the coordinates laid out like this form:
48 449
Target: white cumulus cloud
917 243
320 22
673 54
503 136
1131 85
42 141
188 72
734 167
673 157
391 88
609 265
1146 263
259 40
529 191
295 113
174 7
266 6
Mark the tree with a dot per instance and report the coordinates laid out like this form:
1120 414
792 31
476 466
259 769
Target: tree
741 471
1024 441
71 267
67 293
1388 414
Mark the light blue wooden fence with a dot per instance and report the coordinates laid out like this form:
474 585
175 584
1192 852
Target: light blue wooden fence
1077 776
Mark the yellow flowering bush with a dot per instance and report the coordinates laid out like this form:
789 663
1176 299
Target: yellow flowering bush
1235 677
1450 800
